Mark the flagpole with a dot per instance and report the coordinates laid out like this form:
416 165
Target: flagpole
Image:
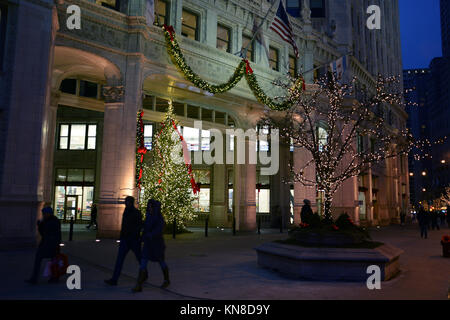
243 53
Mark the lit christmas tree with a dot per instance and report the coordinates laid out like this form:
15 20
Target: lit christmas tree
167 177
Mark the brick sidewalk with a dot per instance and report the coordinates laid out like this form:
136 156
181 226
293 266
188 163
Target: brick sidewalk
223 266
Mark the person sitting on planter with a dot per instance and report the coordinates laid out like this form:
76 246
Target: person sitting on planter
306 213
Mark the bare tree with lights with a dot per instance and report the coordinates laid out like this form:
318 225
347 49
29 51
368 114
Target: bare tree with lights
355 133
445 197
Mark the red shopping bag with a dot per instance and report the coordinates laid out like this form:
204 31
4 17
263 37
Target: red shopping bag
59 265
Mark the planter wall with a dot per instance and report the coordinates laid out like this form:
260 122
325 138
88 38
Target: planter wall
328 264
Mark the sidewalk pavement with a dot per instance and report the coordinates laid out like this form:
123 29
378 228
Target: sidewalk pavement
224 266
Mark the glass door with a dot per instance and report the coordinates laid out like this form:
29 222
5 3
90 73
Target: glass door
71 207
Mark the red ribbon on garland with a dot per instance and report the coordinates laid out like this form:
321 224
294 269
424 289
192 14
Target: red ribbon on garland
248 69
170 30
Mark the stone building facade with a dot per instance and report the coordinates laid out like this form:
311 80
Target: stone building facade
69 101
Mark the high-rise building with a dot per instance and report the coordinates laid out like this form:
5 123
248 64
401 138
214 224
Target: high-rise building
430 120
445 27
69 99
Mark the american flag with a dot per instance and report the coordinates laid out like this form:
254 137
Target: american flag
282 26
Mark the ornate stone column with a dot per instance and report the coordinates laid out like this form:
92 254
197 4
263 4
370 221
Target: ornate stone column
118 150
245 190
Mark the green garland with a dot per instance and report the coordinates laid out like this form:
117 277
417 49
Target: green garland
179 60
242 69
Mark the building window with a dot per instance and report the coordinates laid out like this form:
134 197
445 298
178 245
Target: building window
3 20
77 136
111 4
148 136
68 86
88 89
293 7
317 8
74 193
292 66
248 44
263 135
274 58
223 38
192 138
206 140
161 12
202 203
189 26
322 138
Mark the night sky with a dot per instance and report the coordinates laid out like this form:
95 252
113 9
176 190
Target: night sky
420 32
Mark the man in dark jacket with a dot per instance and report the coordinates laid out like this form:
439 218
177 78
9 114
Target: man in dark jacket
50 230
129 238
306 212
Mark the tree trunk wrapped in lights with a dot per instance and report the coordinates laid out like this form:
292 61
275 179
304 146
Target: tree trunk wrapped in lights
343 130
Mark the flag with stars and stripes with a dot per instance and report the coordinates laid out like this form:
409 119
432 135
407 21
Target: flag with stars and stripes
283 28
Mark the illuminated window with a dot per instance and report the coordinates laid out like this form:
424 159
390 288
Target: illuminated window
322 137
206 140
192 137
223 38
161 12
263 201
248 44
189 26
274 58
148 136
263 135
77 136
202 203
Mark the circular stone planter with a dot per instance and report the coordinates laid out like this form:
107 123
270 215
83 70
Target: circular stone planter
324 240
329 264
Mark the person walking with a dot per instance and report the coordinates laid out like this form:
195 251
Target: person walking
434 220
93 217
306 212
49 228
422 217
154 246
129 238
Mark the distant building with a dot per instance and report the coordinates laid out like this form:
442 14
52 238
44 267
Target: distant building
419 162
430 119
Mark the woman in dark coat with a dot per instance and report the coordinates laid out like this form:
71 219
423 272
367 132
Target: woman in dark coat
154 246
50 230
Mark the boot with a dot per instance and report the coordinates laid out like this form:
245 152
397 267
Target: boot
143 275
166 282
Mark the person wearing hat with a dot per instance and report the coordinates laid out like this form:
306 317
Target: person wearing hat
154 246
130 235
49 228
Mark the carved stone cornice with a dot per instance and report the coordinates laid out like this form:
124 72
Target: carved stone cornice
113 94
